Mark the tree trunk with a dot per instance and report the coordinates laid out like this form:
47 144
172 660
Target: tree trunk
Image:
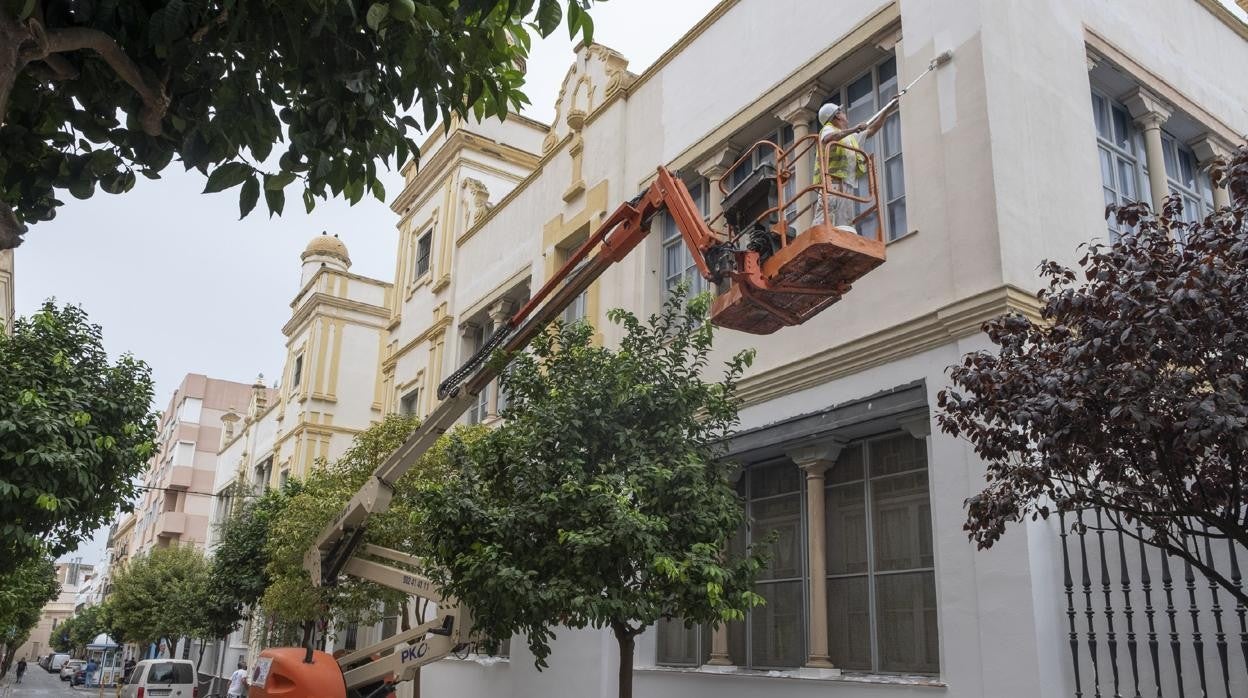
626 637
203 645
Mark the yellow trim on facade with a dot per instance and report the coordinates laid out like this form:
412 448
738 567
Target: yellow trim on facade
957 320
335 358
446 235
444 157
561 237
440 324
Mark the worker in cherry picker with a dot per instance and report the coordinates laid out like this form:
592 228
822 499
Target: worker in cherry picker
844 166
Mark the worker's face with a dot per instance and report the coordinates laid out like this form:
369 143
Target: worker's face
839 119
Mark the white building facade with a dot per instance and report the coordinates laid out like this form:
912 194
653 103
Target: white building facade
1002 158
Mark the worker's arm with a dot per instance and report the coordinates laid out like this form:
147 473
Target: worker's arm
869 127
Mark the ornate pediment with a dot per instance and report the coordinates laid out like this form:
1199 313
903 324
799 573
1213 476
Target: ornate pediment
596 74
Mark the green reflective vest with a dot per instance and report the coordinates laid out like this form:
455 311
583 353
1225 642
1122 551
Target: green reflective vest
839 161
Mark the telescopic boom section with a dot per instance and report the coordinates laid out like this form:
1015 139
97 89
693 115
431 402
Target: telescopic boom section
618 235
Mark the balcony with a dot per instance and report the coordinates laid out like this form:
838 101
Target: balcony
180 477
171 523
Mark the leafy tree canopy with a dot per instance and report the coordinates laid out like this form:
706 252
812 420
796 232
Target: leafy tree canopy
1130 396
602 499
160 595
75 430
239 558
80 629
96 92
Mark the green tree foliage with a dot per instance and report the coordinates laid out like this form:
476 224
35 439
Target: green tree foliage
290 596
24 591
1130 397
240 558
96 93
80 629
602 499
75 430
161 596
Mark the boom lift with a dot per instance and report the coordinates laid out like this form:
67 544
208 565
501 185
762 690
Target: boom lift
768 275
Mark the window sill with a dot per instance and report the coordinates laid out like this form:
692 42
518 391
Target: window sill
424 280
804 674
899 238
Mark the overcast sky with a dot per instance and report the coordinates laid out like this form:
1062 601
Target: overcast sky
175 278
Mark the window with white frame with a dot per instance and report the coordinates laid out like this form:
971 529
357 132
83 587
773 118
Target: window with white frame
184 453
578 309
424 253
474 340
861 98
1120 148
409 404
677 259
296 373
1186 180
190 410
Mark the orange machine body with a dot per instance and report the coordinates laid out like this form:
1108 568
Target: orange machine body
280 672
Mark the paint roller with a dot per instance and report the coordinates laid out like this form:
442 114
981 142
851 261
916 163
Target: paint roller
941 59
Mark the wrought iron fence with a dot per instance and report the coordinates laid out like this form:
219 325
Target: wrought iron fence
1145 624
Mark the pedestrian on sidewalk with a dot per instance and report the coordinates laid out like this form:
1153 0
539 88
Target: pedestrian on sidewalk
238 681
21 669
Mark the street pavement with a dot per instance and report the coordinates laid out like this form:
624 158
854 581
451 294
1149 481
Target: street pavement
38 683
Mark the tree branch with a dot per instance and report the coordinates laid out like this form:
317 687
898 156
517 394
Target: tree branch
155 100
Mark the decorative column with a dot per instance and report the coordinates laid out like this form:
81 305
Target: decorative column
719 636
499 312
1149 113
713 168
800 113
815 460
1208 148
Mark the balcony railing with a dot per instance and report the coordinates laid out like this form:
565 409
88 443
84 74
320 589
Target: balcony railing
1144 623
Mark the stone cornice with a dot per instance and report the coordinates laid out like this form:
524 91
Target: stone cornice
957 320
429 331
445 155
1224 15
318 301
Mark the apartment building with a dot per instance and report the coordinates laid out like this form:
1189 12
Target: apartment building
1002 158
176 504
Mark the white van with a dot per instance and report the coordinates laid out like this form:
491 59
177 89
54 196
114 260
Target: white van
161 678
56 661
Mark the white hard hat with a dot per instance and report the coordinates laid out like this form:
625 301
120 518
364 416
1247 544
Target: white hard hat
827 111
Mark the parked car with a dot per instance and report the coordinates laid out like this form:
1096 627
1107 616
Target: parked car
69 667
168 678
56 661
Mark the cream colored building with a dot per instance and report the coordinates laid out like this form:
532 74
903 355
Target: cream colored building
1004 157
71 576
331 389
